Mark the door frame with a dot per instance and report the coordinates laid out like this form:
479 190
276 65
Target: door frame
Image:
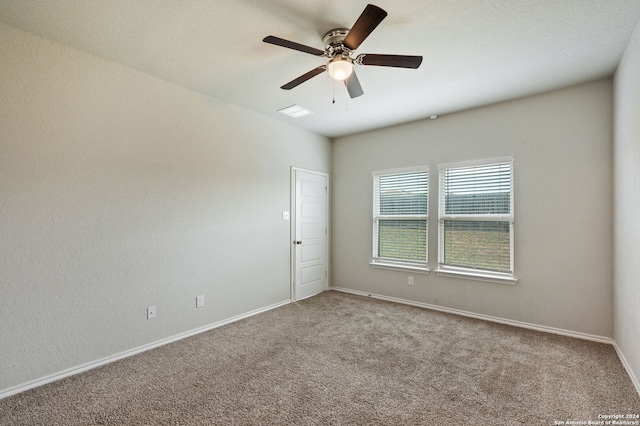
292 234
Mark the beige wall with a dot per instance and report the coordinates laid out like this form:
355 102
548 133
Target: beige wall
119 191
561 143
627 207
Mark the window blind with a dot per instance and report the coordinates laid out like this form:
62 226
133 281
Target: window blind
401 216
403 194
476 217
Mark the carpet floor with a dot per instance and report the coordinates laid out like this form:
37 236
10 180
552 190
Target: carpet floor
340 359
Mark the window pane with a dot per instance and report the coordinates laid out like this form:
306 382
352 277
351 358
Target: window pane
477 244
478 190
403 194
402 239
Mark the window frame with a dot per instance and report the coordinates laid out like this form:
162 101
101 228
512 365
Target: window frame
398 264
471 272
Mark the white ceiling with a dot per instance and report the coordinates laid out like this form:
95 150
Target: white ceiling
476 52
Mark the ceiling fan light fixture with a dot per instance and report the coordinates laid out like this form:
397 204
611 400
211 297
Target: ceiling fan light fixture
339 68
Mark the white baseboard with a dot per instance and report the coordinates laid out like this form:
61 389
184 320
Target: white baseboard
90 365
627 367
107 360
521 324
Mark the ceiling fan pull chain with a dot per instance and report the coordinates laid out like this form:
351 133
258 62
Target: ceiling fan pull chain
333 86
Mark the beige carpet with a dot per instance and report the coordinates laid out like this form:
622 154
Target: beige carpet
339 359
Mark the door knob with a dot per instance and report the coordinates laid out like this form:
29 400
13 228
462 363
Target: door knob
298 242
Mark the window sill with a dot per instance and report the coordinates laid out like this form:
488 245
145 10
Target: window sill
477 276
407 267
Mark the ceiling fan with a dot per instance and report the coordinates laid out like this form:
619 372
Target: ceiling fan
339 44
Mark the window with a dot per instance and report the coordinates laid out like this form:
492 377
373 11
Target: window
476 220
400 218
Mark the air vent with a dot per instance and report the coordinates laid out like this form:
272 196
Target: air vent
295 111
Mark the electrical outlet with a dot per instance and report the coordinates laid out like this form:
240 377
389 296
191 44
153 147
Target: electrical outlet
199 301
410 281
151 312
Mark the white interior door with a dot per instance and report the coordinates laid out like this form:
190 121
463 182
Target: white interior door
310 234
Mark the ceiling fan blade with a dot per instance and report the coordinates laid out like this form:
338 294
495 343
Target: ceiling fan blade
400 61
293 83
293 45
353 86
366 23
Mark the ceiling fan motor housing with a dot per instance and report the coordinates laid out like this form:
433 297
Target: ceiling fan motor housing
333 42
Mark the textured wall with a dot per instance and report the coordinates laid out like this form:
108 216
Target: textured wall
627 206
119 191
561 143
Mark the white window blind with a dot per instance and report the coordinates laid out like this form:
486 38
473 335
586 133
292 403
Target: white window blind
476 217
400 216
